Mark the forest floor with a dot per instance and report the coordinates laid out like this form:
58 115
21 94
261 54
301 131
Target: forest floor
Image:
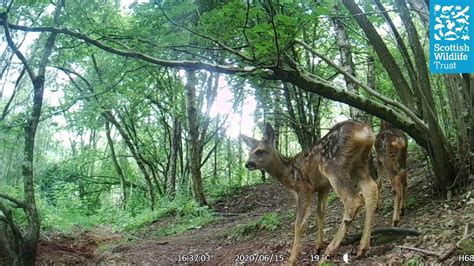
441 224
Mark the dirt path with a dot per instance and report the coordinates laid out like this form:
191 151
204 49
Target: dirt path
441 223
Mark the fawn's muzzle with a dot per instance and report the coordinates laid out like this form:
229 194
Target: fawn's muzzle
250 165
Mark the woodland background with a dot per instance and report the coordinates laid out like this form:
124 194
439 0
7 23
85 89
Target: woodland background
120 113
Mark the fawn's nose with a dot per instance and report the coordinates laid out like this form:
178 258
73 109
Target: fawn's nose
250 165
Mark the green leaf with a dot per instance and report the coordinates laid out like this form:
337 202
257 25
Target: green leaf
321 11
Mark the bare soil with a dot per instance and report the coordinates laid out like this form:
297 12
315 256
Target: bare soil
441 224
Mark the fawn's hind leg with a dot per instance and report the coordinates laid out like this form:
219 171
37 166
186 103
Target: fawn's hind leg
320 213
346 189
370 192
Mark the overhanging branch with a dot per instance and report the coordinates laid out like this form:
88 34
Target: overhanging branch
18 203
195 65
371 91
328 91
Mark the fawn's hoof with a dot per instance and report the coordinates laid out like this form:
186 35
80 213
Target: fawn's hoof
292 262
319 247
395 223
361 252
330 250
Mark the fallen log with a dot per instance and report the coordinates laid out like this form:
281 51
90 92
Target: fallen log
385 230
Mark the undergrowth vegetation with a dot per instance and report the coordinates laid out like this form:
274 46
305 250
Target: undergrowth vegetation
268 222
187 212
63 209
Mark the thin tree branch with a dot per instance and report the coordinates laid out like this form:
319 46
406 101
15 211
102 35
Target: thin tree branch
11 44
245 28
275 32
206 37
7 109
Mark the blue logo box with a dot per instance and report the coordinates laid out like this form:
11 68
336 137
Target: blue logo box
451 36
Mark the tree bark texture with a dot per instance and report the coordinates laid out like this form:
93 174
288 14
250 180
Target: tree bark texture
347 63
194 138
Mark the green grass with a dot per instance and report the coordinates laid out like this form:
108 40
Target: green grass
467 247
268 222
387 207
186 223
411 203
415 261
332 197
188 215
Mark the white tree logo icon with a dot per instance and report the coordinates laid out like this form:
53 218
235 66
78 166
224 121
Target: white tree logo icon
451 23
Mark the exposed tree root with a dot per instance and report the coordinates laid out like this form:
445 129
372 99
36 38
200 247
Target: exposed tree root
424 251
447 254
441 256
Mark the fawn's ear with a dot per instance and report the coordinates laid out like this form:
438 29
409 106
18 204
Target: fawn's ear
269 134
251 142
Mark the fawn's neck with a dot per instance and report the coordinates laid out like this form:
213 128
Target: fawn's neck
281 171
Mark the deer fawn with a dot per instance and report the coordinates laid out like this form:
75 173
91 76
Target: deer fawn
391 146
339 160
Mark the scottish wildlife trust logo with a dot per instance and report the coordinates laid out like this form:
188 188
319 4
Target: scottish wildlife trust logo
451 47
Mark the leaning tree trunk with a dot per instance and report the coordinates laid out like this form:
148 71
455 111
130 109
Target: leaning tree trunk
440 155
421 8
194 138
408 65
386 59
442 158
138 159
118 169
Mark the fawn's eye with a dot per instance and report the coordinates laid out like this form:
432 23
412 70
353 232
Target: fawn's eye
260 152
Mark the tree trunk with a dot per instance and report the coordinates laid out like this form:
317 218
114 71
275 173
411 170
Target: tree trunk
141 164
277 112
371 81
423 11
469 78
471 154
401 47
25 252
458 105
442 158
176 138
347 63
194 139
116 165
300 124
